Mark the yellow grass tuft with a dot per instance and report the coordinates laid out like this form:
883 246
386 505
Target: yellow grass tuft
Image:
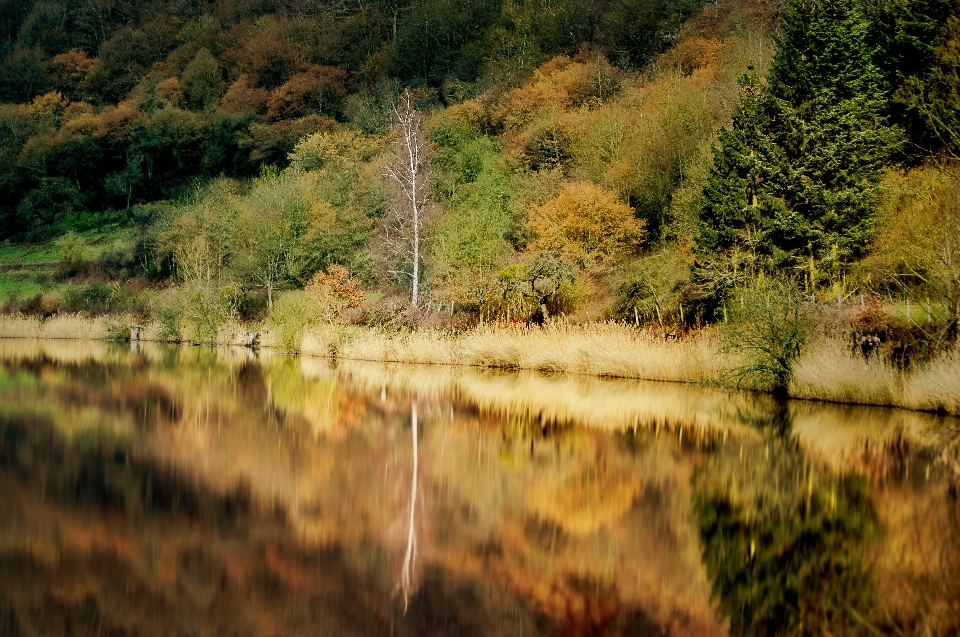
421 346
936 388
61 326
600 349
20 327
831 371
74 326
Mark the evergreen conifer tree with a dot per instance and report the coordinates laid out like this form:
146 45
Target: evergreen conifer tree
793 181
732 226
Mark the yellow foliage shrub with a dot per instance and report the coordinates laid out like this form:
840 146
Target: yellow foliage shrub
589 224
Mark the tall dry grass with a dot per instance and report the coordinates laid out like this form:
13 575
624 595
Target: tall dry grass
831 371
61 326
936 388
598 349
79 327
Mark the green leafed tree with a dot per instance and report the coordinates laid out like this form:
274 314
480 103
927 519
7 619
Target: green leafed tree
794 179
203 81
53 199
273 218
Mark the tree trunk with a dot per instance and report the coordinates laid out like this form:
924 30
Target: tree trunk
415 292
407 170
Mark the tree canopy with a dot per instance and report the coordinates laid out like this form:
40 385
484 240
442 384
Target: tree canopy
794 179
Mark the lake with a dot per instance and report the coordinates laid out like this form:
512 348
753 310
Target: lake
163 490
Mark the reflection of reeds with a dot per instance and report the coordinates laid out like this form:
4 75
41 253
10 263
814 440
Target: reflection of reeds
65 351
608 404
837 435
866 438
74 351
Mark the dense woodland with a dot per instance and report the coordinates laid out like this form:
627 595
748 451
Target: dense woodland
657 161
127 102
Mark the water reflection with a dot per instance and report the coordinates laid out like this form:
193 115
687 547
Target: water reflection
409 560
196 491
785 544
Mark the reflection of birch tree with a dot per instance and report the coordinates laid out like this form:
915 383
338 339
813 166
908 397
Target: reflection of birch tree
406 579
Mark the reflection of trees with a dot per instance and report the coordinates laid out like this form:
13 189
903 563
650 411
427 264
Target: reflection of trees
406 576
784 546
918 570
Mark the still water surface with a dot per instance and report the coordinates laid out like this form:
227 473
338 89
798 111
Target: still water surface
190 491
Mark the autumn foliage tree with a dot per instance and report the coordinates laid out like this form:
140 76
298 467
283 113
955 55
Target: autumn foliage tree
331 292
588 224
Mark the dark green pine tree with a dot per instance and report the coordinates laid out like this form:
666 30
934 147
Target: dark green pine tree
935 95
732 226
904 35
808 147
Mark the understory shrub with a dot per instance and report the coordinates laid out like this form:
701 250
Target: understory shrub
767 328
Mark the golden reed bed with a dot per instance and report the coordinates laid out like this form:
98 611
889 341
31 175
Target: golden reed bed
827 371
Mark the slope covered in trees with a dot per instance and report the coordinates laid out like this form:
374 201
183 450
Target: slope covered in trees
652 161
109 103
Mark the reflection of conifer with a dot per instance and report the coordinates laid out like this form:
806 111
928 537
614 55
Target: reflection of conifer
786 556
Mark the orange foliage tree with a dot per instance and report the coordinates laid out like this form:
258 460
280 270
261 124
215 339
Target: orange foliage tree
333 291
320 89
70 71
588 224
243 97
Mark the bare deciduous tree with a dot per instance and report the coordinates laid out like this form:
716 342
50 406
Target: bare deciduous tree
408 168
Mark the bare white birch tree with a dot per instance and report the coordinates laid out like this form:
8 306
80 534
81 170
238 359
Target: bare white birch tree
408 167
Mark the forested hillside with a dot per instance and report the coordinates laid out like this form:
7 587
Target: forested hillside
658 161
124 102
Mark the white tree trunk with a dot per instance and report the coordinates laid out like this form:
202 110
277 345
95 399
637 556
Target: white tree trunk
407 170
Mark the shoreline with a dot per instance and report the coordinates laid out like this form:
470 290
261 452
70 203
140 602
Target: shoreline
827 371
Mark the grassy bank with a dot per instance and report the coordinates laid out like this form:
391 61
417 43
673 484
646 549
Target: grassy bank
828 370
